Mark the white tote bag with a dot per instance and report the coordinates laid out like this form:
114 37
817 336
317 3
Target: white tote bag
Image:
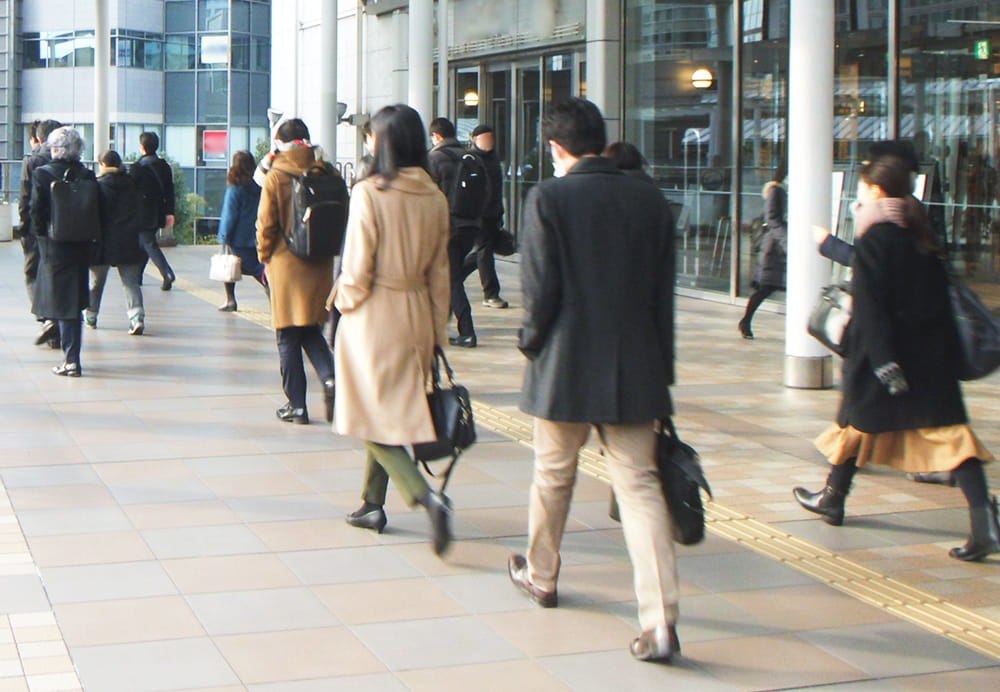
225 267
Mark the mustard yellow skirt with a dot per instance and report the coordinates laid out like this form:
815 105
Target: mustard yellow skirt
916 451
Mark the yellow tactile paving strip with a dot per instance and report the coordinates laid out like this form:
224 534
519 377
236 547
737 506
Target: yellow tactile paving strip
922 608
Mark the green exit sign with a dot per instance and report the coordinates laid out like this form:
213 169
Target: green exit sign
982 50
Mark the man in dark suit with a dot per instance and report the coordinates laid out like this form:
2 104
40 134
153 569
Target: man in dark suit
597 275
155 180
442 161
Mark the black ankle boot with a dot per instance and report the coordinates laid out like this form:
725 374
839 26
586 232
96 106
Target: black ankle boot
368 516
828 503
439 512
984 539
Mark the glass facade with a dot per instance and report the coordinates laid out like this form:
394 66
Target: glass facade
217 83
948 83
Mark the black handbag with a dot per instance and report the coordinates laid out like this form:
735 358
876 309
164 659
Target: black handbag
682 480
830 316
978 331
451 410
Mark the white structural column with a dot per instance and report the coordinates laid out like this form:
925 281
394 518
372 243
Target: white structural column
444 83
329 117
808 365
603 61
102 69
420 89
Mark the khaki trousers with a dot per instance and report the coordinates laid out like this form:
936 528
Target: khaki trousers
630 451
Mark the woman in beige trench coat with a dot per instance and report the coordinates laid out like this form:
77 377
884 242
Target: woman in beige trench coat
393 295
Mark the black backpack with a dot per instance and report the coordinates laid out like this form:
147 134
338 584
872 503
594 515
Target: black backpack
319 212
470 187
74 208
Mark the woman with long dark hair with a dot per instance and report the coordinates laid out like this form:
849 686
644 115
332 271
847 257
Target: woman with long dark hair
237 224
393 294
902 405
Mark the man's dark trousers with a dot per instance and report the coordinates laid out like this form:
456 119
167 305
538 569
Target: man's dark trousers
291 342
459 246
481 258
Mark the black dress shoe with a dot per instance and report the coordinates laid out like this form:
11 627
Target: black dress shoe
745 331
168 282
50 330
439 513
828 503
463 341
293 415
366 518
329 398
935 477
517 569
657 644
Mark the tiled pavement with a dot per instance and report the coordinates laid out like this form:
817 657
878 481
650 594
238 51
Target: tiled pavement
160 530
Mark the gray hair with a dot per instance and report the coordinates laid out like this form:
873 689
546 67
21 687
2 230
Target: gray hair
65 143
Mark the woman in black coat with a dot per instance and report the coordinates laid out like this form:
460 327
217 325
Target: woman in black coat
62 293
773 257
119 245
902 405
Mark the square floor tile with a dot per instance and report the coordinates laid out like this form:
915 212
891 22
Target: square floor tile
617 670
435 643
887 649
552 632
347 565
264 610
22 593
126 621
229 573
153 666
738 572
483 677
203 541
297 655
107 582
89 548
283 508
59 522
387 600
374 682
43 476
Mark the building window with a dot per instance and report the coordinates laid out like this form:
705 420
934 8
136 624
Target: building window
136 49
58 49
180 52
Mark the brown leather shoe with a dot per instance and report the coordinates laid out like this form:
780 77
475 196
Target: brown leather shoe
658 644
517 568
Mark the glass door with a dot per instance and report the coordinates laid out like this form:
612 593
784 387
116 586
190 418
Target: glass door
527 160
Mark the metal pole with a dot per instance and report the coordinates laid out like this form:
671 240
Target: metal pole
328 113
102 68
893 66
420 85
808 365
444 77
736 179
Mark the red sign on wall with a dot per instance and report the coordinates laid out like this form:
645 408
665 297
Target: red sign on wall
215 144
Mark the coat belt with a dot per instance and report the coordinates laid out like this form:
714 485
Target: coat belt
394 284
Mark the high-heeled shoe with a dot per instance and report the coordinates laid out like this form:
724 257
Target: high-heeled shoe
329 397
367 518
439 512
745 330
984 536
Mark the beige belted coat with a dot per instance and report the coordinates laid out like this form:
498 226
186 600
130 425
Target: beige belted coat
299 287
394 296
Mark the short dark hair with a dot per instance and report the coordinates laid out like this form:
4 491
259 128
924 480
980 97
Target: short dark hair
291 130
901 149
482 130
241 172
33 129
150 142
576 125
46 128
399 141
443 127
110 159
626 156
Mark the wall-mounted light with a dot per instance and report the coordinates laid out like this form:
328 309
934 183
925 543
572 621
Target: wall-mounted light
702 78
471 99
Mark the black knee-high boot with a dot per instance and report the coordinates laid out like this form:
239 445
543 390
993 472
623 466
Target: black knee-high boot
984 533
230 304
829 502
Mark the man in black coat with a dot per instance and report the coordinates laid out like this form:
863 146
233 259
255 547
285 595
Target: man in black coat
39 156
481 257
597 275
442 160
155 180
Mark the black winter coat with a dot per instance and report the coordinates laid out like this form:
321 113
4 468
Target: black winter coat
155 180
39 156
442 164
772 261
61 289
901 314
120 225
493 214
597 272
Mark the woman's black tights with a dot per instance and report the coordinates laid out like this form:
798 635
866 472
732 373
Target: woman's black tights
972 480
754 301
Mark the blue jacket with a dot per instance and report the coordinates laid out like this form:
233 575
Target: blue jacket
237 225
